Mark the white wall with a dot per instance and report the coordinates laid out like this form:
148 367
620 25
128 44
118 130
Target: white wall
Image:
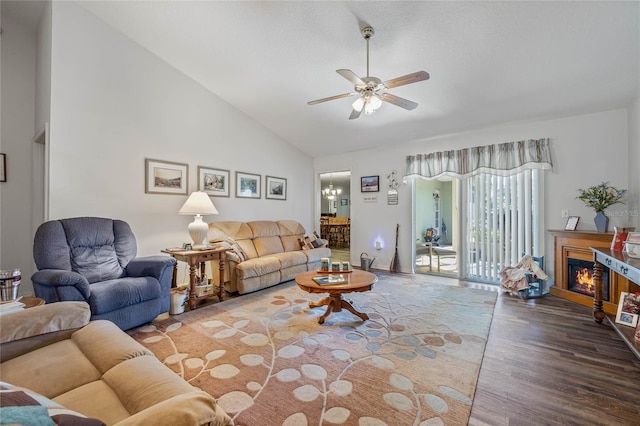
18 47
113 104
586 150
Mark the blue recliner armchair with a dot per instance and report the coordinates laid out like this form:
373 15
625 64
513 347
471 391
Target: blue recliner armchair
94 260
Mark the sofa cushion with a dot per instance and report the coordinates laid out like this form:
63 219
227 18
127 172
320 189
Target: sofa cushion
95 399
264 228
62 364
248 248
268 245
24 406
258 266
292 258
220 231
291 232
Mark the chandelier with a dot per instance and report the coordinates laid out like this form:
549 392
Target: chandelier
329 192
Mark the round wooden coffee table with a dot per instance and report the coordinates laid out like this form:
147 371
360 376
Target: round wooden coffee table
357 281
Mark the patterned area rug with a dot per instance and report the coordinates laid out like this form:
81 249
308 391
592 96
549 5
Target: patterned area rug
267 361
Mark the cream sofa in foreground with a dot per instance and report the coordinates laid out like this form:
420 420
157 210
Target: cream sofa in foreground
265 253
91 369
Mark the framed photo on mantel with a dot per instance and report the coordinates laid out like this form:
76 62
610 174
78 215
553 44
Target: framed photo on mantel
572 223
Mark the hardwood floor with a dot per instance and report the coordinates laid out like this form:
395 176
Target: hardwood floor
548 363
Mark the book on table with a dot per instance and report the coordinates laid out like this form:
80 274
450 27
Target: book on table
331 279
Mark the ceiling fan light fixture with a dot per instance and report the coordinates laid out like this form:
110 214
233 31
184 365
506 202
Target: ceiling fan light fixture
358 104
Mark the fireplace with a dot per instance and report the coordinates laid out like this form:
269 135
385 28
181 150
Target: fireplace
580 278
573 268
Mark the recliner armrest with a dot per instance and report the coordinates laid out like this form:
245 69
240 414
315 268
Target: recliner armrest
150 266
58 277
29 329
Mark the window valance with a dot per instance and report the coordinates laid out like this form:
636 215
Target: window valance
502 159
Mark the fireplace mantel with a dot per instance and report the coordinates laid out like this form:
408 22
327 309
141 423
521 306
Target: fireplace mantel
576 245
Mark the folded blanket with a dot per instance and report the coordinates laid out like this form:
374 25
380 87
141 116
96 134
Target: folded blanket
514 278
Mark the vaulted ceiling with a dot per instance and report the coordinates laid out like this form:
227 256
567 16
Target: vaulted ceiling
489 62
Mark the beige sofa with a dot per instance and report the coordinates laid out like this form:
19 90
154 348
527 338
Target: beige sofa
265 253
92 369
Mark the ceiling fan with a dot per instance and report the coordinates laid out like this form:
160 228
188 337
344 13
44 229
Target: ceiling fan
372 90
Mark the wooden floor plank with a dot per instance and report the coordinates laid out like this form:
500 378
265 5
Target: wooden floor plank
548 363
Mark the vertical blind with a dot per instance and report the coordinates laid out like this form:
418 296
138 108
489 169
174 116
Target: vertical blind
504 220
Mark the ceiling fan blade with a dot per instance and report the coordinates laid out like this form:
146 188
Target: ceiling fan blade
397 100
355 114
352 77
331 98
407 79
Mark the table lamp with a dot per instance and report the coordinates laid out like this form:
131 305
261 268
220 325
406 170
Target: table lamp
198 204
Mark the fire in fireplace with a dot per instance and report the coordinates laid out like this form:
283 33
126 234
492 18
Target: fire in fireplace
580 279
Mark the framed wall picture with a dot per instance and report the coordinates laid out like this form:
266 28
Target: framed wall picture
3 167
344 201
370 184
247 185
275 188
572 223
166 177
214 182
628 309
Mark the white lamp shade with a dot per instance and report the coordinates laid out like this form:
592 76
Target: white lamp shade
198 203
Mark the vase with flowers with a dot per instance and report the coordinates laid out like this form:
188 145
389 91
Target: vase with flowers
599 197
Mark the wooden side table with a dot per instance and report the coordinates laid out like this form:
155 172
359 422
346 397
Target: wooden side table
195 258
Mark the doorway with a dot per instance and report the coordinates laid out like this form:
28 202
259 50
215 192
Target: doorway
436 227
335 213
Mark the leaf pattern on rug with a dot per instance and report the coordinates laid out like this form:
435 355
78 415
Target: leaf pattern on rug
266 360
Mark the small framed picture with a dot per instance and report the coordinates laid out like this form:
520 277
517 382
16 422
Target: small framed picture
275 188
166 177
370 184
628 309
247 185
214 182
3 167
572 223
344 201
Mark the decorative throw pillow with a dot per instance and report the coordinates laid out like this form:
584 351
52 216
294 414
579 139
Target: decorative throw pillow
22 406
